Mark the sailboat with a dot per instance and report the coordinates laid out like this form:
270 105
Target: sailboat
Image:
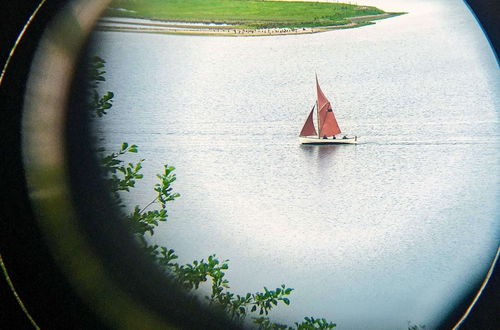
328 128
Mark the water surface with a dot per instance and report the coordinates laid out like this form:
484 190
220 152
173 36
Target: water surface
389 231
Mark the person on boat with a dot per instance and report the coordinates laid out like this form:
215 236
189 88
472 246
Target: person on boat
344 137
324 137
334 137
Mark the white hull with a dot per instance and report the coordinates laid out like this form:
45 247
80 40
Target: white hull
316 140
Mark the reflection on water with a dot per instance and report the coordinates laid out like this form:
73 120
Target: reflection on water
388 231
325 153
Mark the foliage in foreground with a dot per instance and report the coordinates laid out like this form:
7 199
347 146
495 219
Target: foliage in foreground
144 220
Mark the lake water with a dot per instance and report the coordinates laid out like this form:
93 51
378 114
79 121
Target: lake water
374 235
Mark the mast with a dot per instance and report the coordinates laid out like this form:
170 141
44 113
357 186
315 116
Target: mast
327 124
317 117
317 107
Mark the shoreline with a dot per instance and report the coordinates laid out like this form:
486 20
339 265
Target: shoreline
120 24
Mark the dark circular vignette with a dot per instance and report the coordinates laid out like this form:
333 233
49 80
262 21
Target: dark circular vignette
46 292
39 276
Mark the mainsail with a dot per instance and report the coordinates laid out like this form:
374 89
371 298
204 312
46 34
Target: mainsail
328 125
308 128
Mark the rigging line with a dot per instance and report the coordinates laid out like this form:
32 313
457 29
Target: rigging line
14 292
18 40
479 292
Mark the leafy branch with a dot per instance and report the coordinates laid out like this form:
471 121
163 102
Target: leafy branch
98 103
143 221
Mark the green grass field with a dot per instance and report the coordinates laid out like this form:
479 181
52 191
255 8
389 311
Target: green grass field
251 13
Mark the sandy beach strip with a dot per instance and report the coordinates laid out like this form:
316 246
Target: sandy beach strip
118 24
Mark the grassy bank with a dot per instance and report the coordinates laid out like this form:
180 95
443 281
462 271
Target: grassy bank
250 13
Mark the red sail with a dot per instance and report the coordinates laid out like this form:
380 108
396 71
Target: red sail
308 128
322 100
330 126
327 123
